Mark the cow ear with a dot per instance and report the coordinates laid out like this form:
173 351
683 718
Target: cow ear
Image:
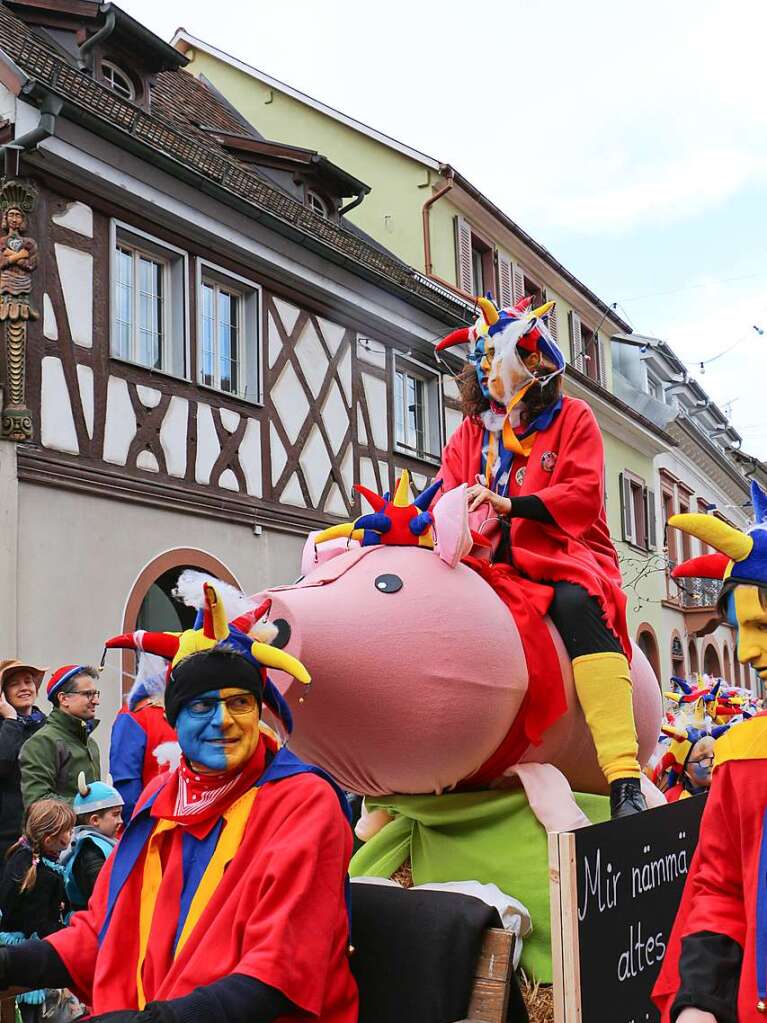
314 555
451 524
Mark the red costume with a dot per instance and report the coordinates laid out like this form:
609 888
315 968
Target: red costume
138 750
713 959
272 908
565 470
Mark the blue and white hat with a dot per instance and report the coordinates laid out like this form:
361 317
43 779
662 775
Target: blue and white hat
95 797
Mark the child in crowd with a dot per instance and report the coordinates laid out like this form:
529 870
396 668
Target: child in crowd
99 809
32 898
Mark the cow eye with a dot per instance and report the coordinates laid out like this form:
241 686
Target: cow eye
388 583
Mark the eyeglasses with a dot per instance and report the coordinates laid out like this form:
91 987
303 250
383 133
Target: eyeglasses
89 694
239 705
704 761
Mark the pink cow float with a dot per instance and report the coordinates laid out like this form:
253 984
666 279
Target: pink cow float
419 668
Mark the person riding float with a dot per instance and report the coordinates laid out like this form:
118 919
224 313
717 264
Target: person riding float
534 463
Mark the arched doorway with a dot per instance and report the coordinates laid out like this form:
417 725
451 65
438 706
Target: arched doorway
692 652
648 644
727 666
711 663
150 604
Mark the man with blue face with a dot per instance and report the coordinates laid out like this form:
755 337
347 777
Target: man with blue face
225 899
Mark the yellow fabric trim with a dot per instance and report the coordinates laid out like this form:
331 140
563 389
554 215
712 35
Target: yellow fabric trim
513 443
492 454
236 819
603 684
745 741
150 887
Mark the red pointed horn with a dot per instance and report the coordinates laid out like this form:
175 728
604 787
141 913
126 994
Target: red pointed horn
244 622
375 501
708 566
456 337
164 644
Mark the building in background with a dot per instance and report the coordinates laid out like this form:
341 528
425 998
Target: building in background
216 360
704 472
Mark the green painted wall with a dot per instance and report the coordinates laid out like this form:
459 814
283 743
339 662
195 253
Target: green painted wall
391 212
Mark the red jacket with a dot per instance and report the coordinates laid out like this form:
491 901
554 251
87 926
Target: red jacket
566 471
721 891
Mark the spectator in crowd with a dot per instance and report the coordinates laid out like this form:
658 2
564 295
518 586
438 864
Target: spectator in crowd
54 757
19 719
32 899
143 744
99 810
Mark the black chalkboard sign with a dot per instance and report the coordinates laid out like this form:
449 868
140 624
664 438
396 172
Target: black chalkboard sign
614 895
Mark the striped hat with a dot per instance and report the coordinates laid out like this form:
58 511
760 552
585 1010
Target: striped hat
61 676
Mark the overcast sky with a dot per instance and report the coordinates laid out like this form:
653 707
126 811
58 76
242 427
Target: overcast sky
628 138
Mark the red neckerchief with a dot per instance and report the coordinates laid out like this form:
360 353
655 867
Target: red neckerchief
196 801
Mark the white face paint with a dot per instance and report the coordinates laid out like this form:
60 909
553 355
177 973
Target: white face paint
508 373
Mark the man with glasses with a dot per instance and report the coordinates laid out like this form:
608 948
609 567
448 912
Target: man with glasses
225 899
52 759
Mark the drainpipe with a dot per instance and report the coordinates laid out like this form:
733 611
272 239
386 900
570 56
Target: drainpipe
98 37
353 204
428 265
46 127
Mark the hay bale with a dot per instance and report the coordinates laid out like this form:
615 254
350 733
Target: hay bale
539 1000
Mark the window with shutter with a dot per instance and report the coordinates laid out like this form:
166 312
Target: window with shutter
463 268
576 341
518 283
600 349
505 291
652 527
624 486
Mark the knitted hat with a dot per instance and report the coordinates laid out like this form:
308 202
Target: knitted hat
95 797
8 667
61 676
206 671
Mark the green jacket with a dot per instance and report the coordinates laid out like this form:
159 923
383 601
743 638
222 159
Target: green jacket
51 759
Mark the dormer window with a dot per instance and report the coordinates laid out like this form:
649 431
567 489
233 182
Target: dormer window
317 204
117 80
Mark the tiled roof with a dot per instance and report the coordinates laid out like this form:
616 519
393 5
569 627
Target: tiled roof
180 104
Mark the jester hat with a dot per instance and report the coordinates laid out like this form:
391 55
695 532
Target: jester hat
528 325
212 630
683 739
397 522
740 558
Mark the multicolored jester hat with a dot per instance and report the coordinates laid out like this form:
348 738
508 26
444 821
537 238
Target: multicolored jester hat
400 522
529 331
741 557
212 630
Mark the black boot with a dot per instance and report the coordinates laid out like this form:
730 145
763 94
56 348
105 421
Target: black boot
626 798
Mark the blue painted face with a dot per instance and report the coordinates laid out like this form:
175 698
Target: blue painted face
218 730
481 357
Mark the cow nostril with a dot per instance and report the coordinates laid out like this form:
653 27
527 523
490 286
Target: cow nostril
282 638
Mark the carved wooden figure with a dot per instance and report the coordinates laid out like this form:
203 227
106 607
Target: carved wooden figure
18 261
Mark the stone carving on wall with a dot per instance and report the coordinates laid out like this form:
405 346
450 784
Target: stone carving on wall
18 262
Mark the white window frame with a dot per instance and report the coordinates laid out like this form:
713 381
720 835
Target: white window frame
324 212
250 352
433 413
111 66
175 359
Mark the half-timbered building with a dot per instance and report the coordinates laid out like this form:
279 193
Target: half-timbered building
207 354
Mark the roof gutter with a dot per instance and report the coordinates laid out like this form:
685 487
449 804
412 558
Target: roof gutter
46 127
425 216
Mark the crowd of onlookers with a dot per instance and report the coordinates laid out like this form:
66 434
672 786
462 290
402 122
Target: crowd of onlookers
58 820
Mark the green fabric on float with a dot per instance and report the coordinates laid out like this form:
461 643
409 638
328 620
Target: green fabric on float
491 837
